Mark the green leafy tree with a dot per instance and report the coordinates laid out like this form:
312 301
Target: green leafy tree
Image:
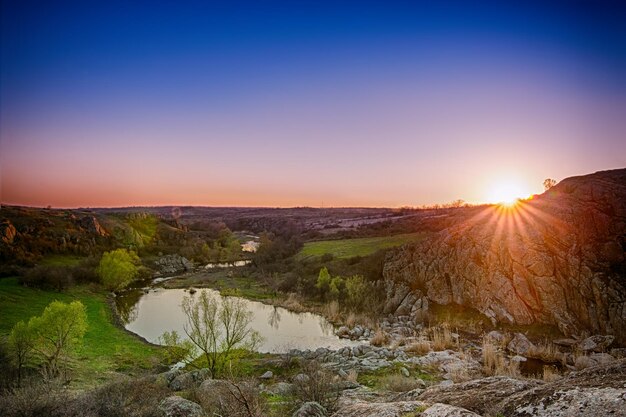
118 268
20 343
335 287
57 332
218 330
323 281
357 291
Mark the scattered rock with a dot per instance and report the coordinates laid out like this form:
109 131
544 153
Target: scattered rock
267 375
405 372
176 406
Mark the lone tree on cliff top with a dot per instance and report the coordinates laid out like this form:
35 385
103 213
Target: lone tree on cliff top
548 183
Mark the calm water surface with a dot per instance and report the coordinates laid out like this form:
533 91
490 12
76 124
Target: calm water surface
150 314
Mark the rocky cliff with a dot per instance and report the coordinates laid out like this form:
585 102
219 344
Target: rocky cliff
558 258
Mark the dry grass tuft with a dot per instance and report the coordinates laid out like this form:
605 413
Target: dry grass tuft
293 303
353 375
550 373
442 338
419 347
332 312
494 362
380 338
547 352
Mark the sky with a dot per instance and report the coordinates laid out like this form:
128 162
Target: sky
305 103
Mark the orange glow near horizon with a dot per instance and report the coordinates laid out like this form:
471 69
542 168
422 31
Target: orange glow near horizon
508 191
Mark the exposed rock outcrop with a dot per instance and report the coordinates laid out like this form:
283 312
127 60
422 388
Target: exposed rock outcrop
596 391
557 259
173 264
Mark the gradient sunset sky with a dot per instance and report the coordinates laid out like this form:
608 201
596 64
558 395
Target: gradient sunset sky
305 103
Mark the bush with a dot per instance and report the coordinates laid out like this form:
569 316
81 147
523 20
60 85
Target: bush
231 398
139 398
40 399
318 385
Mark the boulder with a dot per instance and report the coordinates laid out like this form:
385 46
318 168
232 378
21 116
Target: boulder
176 406
267 375
189 379
520 345
359 408
478 395
596 343
310 409
445 410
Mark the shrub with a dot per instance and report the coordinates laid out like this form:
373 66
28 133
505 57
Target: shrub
232 398
318 386
123 397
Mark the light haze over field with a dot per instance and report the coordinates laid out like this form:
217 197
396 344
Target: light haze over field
285 104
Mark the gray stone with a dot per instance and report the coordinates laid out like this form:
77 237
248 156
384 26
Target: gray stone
310 409
520 345
176 406
596 343
445 410
267 375
405 372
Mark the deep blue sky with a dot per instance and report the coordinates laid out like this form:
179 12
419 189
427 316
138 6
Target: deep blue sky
268 103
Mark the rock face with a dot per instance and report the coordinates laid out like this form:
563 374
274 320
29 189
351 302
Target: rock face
556 259
172 264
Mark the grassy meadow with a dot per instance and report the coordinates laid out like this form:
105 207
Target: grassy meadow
107 349
349 248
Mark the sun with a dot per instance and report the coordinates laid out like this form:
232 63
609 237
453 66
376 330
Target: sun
507 192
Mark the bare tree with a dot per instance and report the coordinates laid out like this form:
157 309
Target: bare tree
218 329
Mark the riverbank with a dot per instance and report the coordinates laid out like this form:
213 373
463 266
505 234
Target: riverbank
107 351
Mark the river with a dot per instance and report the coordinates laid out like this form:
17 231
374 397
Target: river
151 313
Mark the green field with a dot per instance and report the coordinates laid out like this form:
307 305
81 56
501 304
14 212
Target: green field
349 248
107 350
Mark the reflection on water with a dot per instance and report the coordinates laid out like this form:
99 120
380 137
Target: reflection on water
151 314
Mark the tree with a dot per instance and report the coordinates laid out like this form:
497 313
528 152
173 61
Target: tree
548 183
323 281
118 268
217 329
357 291
21 347
57 332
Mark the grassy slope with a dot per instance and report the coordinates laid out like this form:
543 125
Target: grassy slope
106 349
348 248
